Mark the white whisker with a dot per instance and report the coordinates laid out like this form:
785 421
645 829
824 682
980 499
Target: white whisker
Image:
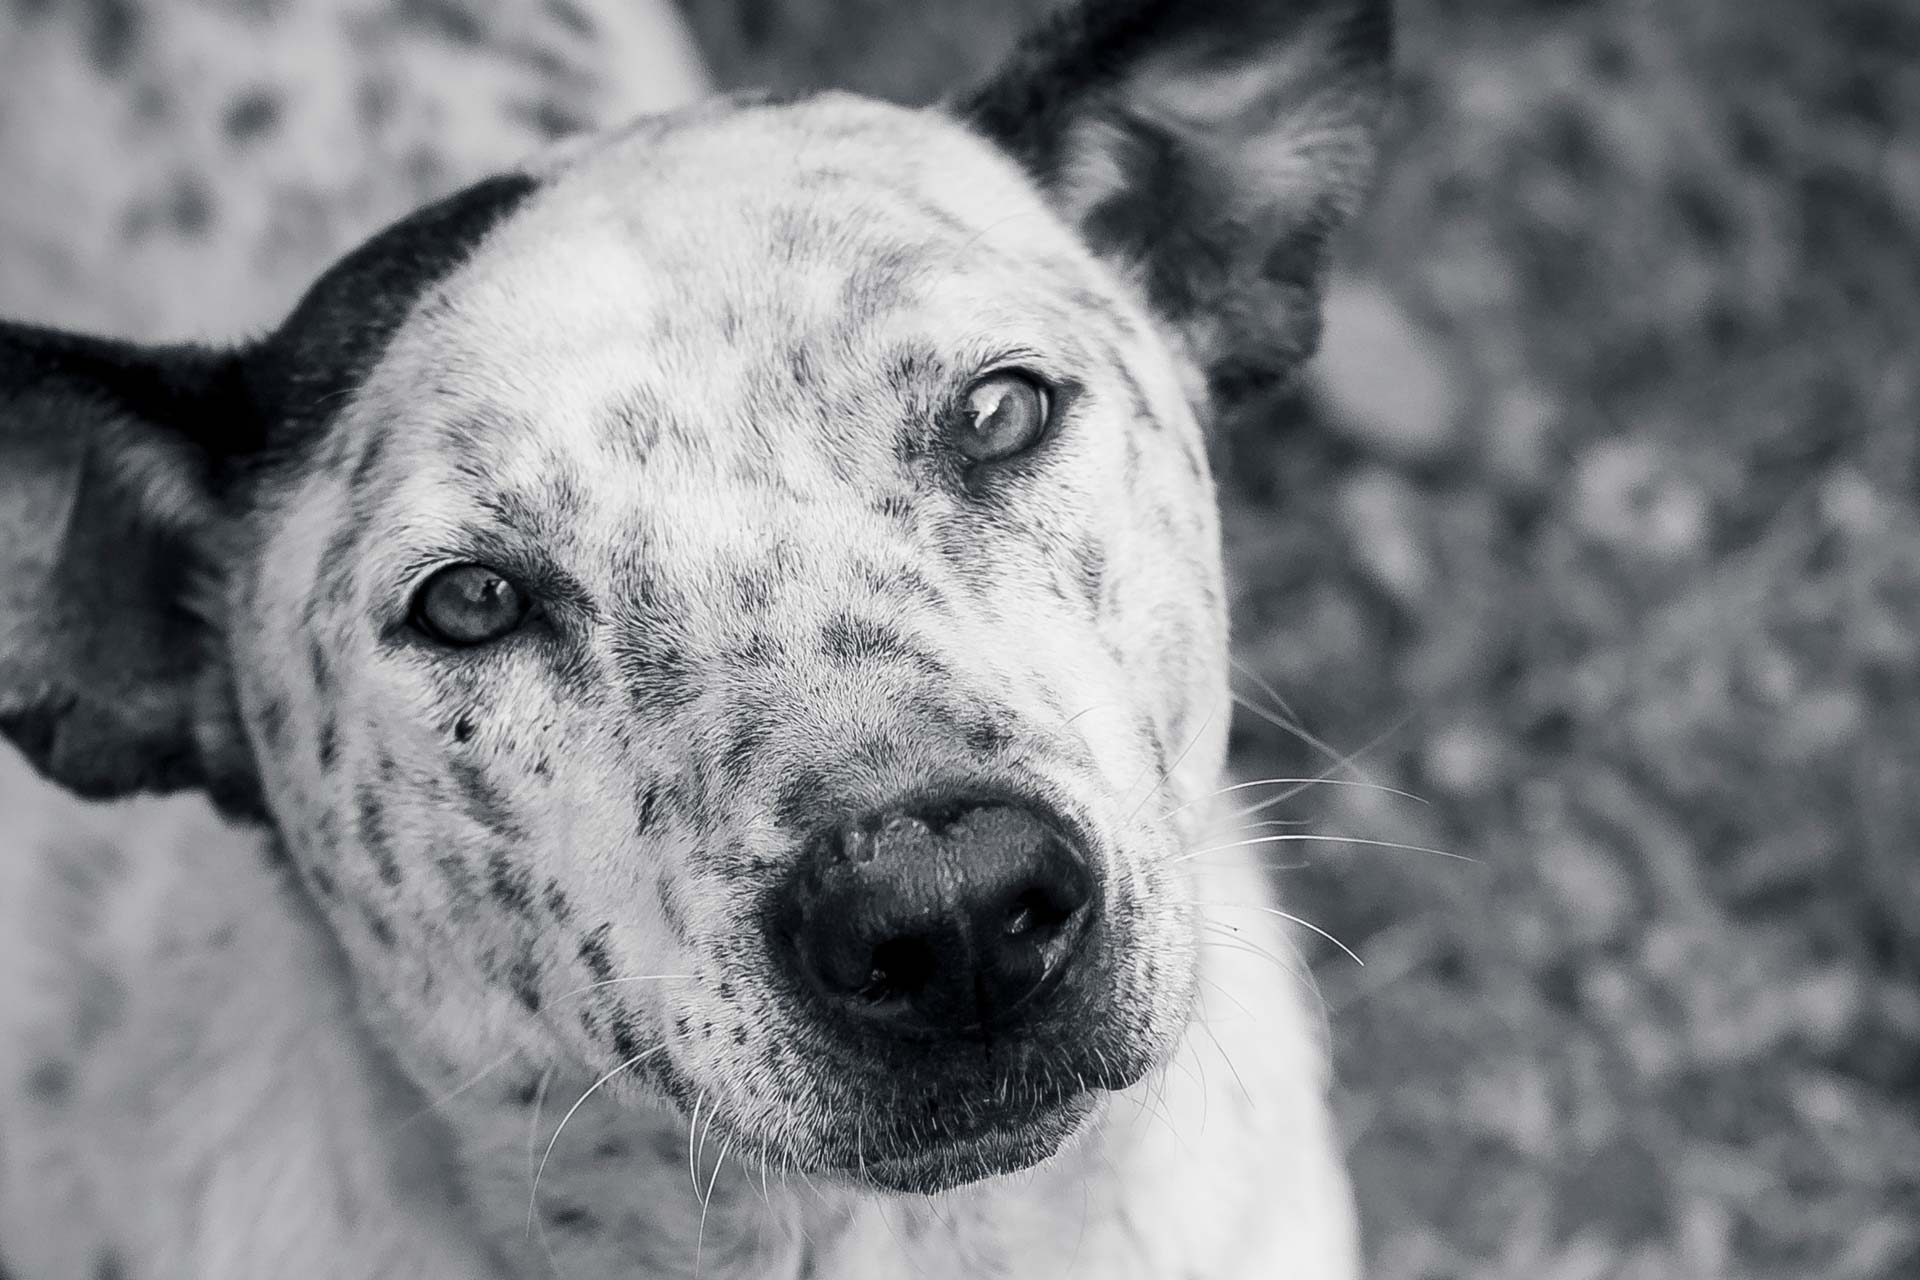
694 1129
1321 839
533 1195
1293 782
700 1241
1304 924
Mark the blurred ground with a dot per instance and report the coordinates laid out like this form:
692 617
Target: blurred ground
1601 525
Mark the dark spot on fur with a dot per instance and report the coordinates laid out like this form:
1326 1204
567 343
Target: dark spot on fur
510 883
523 976
847 638
374 834
757 650
450 20
378 926
988 736
273 721
1090 563
486 803
657 673
543 768
463 727
744 745
50 1081
753 589
683 1027
557 901
549 117
113 28
740 1036
669 898
374 99
251 115
800 364
529 1091
572 1217
458 875
320 667
897 507
152 104
572 17
903 584
189 207
109 1266
626 1039
590 1024
649 805
329 744
611 1149
593 952
323 882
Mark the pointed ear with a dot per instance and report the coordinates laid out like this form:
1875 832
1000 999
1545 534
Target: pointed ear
111 466
1210 148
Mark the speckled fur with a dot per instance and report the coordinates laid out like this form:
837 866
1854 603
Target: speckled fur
686 377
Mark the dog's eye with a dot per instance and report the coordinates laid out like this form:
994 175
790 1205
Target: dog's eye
469 604
1001 414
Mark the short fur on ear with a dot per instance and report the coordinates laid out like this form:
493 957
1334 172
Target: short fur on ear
1209 147
110 470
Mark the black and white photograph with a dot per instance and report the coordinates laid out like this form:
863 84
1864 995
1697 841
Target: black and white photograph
959 640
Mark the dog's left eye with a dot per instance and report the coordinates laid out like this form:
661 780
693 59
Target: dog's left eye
1000 415
469 604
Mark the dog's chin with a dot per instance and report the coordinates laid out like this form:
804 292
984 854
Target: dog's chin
938 1161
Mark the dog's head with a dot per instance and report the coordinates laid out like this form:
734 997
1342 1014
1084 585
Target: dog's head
735 605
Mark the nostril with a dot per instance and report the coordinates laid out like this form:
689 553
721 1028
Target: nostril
901 969
1037 915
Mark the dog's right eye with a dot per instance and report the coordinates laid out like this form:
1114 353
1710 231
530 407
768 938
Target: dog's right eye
469 604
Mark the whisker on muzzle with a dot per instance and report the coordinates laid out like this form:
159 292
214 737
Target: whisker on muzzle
1304 924
1315 838
1298 785
533 1193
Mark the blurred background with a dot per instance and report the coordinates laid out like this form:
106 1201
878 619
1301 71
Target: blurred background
1598 527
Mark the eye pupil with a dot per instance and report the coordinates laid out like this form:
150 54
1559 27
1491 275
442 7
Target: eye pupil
469 604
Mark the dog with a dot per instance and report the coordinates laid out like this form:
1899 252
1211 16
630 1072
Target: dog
707 654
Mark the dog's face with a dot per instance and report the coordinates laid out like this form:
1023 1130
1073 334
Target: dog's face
735 608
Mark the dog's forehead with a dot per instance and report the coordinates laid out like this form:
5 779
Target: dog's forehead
708 269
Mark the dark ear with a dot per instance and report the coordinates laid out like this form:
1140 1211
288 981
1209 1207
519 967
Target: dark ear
111 464
1210 146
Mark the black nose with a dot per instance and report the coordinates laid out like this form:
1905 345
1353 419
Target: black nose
937 924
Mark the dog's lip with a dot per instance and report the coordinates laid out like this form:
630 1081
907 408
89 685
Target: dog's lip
1002 1144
